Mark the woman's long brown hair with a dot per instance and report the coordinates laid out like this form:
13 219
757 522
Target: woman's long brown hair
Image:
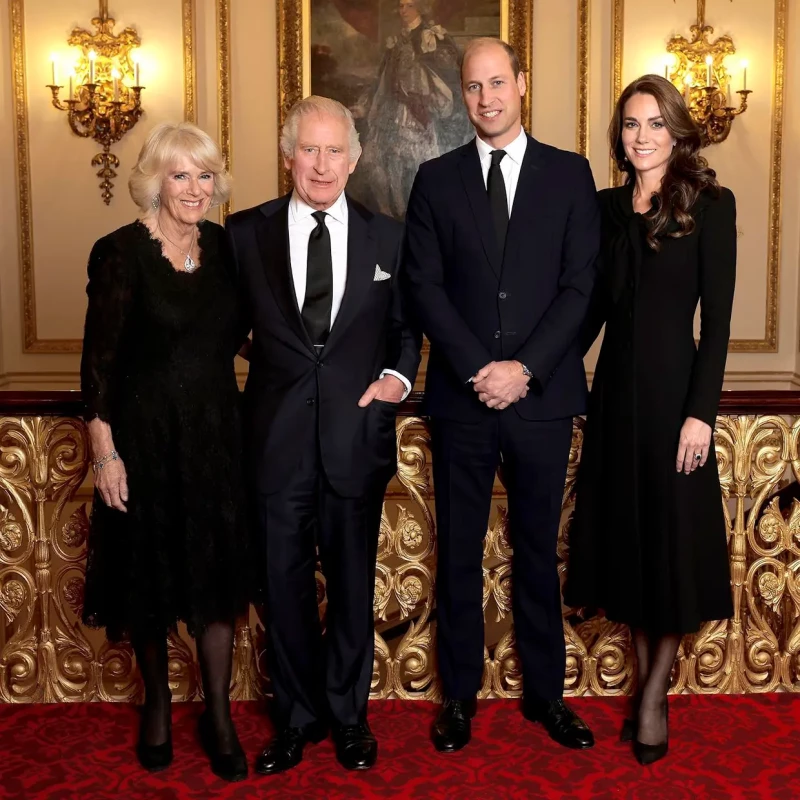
688 173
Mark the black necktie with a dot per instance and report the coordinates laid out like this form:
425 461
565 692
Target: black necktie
319 282
498 201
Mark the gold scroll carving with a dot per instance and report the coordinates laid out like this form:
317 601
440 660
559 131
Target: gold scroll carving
46 654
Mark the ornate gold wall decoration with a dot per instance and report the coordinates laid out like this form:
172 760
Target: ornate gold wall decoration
584 30
224 88
104 99
188 11
769 344
31 341
617 41
49 656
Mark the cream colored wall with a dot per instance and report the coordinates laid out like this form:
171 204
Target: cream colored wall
68 214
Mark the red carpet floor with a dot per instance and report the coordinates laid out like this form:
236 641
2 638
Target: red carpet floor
721 747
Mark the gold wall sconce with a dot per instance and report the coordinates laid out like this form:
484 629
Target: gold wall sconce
104 97
697 68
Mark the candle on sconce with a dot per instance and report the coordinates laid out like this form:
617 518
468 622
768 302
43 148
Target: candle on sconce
709 61
688 81
71 75
92 57
744 75
136 69
116 76
53 64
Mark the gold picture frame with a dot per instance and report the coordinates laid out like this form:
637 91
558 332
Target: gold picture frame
294 55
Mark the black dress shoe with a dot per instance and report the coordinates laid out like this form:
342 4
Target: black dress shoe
228 766
356 747
563 724
647 754
286 749
156 757
453 727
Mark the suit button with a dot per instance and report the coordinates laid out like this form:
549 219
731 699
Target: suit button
310 401
497 334
320 363
502 295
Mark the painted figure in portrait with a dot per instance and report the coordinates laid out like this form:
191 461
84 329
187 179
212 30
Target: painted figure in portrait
395 64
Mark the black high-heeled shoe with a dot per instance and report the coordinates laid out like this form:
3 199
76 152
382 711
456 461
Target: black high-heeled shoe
154 757
647 754
228 766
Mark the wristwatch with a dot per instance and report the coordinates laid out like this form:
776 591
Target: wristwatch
526 372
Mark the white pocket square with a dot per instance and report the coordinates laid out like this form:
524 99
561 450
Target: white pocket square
380 275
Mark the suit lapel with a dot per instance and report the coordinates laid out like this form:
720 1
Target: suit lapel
530 195
273 243
361 261
472 177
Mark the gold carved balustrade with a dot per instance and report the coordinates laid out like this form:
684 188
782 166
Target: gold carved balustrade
47 655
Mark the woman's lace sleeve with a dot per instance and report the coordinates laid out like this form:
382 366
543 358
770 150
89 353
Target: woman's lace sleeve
110 300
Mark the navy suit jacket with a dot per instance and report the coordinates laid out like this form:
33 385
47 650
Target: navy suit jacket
477 304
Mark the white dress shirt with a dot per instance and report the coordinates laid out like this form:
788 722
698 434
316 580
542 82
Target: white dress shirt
301 224
509 166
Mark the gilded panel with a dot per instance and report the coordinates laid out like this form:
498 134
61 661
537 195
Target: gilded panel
48 656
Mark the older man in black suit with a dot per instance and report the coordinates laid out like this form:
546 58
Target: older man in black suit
502 236
331 357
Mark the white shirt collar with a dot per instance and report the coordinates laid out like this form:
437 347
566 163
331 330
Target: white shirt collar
300 210
515 150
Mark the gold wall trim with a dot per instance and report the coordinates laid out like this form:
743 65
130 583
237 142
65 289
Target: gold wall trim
584 33
224 88
189 61
769 344
617 34
294 43
31 341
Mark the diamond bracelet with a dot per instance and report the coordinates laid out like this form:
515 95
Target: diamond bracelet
99 463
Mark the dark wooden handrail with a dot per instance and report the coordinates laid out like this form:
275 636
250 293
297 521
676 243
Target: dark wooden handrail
66 402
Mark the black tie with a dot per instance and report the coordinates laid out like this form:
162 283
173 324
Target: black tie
319 282
498 201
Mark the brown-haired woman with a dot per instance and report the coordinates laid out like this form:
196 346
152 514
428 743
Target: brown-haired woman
648 539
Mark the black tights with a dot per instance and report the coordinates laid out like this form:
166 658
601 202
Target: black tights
215 653
655 656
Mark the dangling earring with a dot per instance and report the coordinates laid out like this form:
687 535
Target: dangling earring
156 202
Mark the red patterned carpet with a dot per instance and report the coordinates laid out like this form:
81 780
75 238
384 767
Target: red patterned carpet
722 747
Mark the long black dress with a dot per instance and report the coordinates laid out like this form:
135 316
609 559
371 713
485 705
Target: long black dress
648 544
157 365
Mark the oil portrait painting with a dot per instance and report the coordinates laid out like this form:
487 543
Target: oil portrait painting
395 65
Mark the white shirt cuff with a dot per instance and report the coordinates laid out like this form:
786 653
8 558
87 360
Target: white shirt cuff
401 378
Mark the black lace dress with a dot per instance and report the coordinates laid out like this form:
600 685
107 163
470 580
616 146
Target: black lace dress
157 366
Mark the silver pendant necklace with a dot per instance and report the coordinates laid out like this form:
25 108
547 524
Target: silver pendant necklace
189 263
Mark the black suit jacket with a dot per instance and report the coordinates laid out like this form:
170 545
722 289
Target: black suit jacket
477 305
290 387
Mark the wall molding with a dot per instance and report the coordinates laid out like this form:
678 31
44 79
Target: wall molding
31 341
224 90
584 32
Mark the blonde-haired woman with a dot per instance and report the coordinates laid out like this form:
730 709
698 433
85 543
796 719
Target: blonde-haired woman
167 538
